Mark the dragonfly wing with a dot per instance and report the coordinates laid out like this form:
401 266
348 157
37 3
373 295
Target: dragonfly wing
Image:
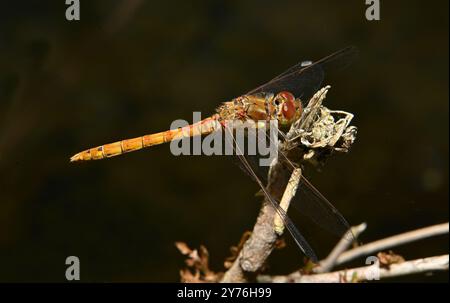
310 202
302 84
248 164
303 80
295 233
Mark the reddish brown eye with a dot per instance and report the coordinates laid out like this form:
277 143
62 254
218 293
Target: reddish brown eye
288 105
287 96
288 109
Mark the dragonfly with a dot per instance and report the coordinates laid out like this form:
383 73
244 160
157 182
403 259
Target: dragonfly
282 99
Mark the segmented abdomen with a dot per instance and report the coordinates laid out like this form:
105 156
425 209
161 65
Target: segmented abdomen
203 127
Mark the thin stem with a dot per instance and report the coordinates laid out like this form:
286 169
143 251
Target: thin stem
366 273
327 264
393 241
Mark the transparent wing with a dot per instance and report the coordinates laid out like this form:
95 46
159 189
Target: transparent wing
304 79
310 202
307 200
247 164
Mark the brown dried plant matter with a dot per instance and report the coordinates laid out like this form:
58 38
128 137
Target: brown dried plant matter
197 261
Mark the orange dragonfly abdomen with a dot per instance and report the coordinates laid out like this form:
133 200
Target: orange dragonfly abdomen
204 127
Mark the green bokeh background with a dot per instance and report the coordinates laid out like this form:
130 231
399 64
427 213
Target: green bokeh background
130 68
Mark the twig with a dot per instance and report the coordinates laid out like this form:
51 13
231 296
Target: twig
260 244
289 193
393 241
327 264
256 249
366 273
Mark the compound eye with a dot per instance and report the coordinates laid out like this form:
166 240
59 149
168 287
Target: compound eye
288 106
287 96
288 109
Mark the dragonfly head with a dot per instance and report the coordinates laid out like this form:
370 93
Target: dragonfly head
288 108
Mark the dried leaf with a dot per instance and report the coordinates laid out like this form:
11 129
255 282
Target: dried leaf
234 250
308 267
197 262
280 243
387 259
183 248
186 276
227 264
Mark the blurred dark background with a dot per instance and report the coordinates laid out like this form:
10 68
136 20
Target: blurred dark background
129 68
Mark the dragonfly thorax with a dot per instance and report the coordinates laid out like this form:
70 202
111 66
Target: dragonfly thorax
282 107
